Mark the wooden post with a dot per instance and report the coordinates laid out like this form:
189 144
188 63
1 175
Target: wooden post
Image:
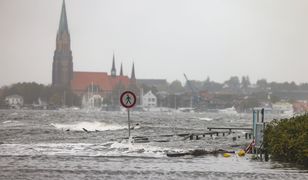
262 115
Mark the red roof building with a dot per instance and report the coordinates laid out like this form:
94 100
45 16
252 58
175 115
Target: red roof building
103 83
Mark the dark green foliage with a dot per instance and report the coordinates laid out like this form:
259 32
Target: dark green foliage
287 140
233 82
176 87
245 83
31 92
148 88
248 103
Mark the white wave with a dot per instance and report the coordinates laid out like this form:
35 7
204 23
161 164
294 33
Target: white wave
206 119
135 149
12 123
90 126
78 149
111 149
7 122
137 126
13 114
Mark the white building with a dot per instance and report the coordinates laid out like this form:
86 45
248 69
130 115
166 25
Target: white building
14 101
283 108
149 100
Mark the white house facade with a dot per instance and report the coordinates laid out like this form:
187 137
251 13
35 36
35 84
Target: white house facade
149 100
15 101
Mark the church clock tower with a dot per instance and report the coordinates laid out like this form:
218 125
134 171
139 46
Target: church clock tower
62 67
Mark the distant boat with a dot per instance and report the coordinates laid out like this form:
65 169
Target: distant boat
230 110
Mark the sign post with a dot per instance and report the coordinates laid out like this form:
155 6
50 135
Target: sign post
128 121
128 100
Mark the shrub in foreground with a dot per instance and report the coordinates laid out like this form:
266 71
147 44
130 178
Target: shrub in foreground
287 139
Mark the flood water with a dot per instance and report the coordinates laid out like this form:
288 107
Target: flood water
55 145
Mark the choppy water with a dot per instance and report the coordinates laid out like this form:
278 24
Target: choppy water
53 145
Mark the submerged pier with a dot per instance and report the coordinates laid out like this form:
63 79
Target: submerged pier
230 128
198 135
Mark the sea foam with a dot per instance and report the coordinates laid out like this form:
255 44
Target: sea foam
90 126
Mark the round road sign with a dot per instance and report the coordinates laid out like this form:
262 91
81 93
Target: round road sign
128 99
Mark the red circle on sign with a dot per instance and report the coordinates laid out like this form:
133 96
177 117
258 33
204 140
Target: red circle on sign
128 93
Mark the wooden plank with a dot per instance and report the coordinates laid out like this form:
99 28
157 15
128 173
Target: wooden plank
210 133
230 128
191 136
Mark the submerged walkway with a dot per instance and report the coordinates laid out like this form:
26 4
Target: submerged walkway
230 128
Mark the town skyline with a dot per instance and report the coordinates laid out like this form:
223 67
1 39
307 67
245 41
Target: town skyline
161 49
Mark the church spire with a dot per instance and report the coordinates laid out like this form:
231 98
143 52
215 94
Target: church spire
113 70
133 77
62 68
63 27
121 70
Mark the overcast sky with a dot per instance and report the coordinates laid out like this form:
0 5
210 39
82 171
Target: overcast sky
165 38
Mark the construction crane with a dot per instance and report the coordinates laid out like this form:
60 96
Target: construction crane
195 94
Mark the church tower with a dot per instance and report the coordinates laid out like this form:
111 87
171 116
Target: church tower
133 76
62 67
113 69
121 70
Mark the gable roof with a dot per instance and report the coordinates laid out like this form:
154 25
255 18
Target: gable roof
149 94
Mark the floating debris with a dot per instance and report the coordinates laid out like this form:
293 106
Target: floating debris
198 152
227 155
85 130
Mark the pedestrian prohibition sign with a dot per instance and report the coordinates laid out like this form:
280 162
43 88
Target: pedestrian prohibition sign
128 99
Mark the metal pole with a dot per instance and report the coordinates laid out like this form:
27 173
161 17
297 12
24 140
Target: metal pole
253 123
262 115
174 101
128 123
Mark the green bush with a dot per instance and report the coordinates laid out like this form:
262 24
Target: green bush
287 139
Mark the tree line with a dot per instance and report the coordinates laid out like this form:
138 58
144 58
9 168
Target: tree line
32 92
